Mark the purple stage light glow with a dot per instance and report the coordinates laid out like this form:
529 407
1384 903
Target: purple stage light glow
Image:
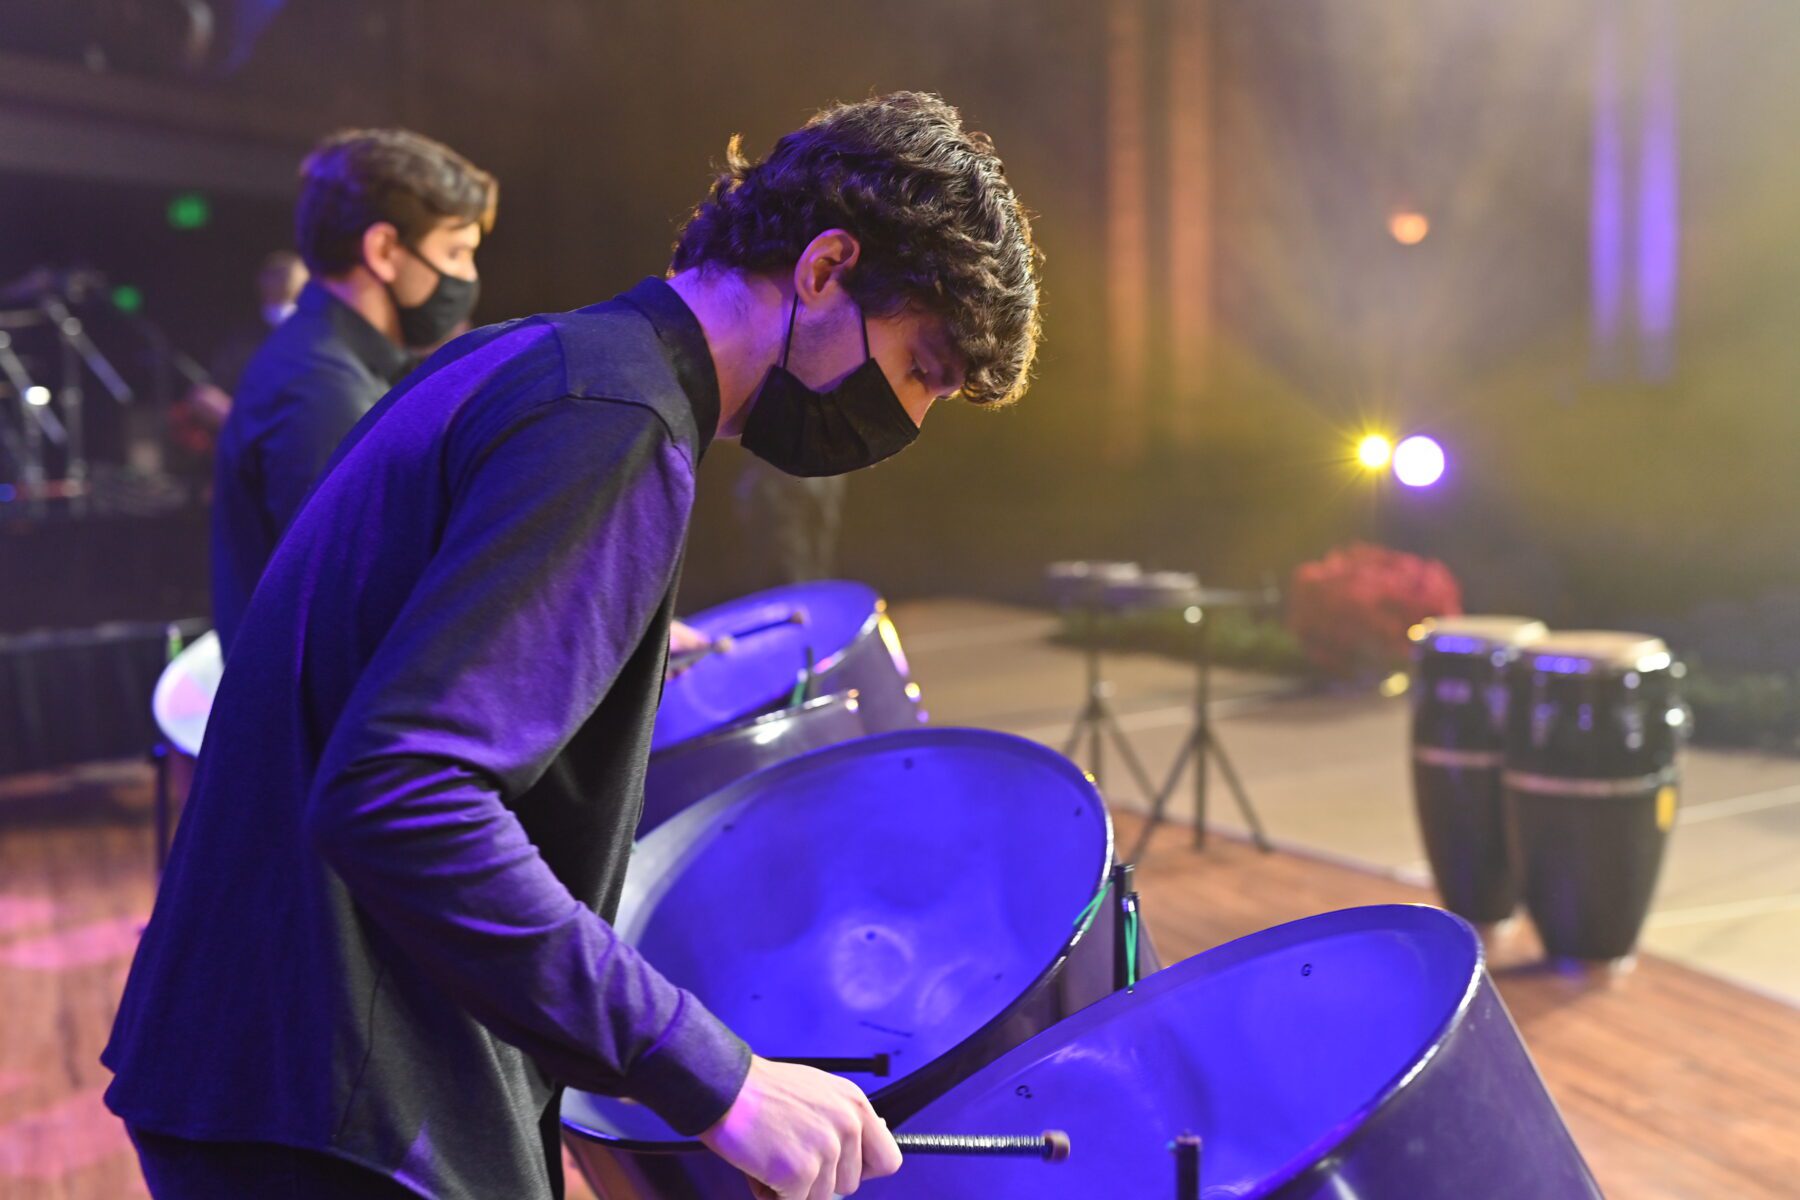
1607 262
1418 462
1658 201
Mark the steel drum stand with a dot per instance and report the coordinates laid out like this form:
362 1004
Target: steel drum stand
165 803
1097 721
1187 1166
1202 743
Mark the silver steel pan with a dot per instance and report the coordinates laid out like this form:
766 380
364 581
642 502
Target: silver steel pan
791 644
935 895
1362 1053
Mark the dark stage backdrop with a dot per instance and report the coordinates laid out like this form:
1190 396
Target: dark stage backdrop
1225 308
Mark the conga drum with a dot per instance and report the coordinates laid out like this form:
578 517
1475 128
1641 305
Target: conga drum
1592 784
1362 1053
1458 732
936 896
181 704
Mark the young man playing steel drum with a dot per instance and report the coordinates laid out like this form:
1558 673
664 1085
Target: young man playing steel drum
381 947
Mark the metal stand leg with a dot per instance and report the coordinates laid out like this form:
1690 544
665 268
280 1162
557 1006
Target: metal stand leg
160 756
1238 793
1187 1167
1201 746
1098 722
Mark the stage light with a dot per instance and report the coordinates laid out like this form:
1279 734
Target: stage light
1408 228
37 395
1374 451
128 298
1418 462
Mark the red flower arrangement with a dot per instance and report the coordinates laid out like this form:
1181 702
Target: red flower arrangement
1351 609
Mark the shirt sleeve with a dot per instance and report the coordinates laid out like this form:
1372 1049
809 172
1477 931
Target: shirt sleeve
561 544
311 417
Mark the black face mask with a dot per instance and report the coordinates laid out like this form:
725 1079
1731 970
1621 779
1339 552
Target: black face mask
450 303
805 432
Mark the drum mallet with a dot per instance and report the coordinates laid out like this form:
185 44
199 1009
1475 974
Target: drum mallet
726 642
1052 1145
878 1065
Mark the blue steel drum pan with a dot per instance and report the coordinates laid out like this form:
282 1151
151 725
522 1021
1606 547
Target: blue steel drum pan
1358 1054
834 634
927 894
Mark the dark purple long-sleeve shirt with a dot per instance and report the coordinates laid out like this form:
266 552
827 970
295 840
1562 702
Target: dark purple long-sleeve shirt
383 932
303 390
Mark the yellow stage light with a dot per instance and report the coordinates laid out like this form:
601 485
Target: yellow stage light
1374 451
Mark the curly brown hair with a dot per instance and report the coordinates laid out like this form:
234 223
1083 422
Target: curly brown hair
357 177
940 227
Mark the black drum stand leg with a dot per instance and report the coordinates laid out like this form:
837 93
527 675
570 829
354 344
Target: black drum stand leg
1200 747
1187 1167
1238 793
1097 723
160 756
1126 929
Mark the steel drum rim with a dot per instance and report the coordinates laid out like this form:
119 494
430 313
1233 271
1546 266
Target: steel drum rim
739 727
733 797
872 625
1318 1153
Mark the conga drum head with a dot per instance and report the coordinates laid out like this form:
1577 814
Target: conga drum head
1476 634
1279 1050
899 894
1599 651
777 633
184 693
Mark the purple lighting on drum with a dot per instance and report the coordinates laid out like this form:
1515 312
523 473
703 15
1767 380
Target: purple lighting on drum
1418 462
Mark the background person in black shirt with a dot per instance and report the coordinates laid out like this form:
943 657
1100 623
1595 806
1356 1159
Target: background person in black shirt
388 222
197 418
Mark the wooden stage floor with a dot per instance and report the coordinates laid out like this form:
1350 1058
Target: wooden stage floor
1677 1085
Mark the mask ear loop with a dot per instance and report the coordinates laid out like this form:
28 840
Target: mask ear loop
420 258
793 315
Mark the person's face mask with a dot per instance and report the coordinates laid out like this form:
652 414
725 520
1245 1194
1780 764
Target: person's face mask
805 432
431 320
275 314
